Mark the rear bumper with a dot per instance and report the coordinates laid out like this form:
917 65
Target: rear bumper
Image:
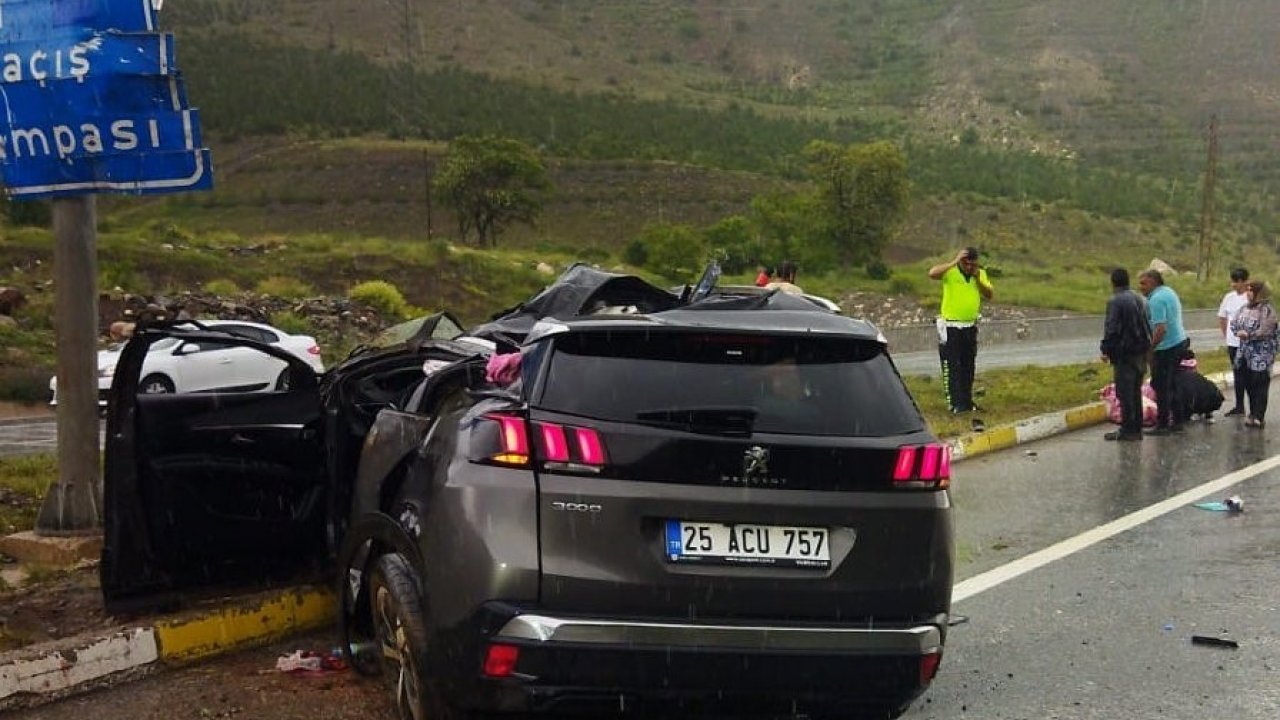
548 630
600 666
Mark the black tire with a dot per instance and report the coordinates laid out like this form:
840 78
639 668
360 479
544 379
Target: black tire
400 631
155 385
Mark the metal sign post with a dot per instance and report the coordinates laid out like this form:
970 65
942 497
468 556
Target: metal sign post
73 505
92 102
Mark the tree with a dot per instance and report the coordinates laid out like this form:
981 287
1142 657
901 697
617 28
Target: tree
863 192
791 227
491 182
673 251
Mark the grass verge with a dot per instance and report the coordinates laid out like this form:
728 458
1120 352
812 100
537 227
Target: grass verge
24 479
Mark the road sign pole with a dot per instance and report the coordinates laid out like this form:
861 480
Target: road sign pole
73 505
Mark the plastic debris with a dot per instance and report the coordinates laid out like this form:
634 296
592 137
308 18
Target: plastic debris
1214 641
1233 504
307 663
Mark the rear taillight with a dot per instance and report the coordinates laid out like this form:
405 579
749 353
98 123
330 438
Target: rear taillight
929 667
313 350
923 466
590 449
554 447
510 446
500 660
504 440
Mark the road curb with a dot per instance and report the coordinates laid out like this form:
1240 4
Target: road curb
41 673
1039 427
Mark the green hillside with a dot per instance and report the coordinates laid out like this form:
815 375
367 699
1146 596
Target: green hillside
1063 137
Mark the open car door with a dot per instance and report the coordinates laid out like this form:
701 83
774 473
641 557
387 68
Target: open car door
210 488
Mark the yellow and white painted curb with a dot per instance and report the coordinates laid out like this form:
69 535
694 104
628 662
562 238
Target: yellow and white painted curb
30 676
1049 424
1025 431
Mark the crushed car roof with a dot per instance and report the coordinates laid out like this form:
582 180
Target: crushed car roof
586 297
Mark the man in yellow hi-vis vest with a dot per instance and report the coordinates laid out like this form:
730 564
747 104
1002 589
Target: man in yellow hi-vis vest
964 286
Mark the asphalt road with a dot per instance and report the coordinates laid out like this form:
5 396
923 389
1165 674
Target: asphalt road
1063 352
1084 572
32 437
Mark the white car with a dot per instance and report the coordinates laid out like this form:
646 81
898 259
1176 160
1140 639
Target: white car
174 366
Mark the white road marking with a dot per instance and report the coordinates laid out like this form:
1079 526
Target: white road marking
966 589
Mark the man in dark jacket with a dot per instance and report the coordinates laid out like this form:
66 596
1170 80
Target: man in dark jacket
1126 339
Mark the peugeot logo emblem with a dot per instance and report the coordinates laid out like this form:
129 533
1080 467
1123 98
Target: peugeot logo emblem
755 463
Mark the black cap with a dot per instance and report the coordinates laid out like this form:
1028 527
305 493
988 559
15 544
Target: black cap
971 253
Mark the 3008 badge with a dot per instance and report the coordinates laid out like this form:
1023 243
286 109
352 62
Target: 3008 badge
576 507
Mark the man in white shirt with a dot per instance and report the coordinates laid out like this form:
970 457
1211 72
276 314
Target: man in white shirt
1227 309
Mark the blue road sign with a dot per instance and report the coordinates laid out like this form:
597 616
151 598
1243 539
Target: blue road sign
107 53
27 104
93 101
40 20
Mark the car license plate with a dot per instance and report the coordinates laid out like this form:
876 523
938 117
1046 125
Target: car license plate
744 544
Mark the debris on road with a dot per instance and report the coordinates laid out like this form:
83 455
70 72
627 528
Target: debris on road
306 663
1214 641
1233 504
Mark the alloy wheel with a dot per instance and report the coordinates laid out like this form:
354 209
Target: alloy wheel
397 655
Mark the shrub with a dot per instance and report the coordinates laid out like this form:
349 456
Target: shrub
635 253
902 285
878 270
283 287
221 286
674 251
291 322
382 296
122 275
29 213
25 384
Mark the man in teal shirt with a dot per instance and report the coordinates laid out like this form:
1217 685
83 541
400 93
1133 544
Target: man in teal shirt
964 286
1169 342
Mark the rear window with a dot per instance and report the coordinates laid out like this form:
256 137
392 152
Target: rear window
711 381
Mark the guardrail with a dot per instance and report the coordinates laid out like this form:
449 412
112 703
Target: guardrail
913 338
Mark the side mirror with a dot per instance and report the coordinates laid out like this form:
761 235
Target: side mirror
187 348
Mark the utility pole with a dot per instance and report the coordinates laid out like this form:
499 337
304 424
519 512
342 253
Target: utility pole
1206 208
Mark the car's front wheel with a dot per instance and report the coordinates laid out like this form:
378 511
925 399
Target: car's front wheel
399 625
155 385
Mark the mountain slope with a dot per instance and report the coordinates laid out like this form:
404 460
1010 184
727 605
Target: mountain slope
1132 82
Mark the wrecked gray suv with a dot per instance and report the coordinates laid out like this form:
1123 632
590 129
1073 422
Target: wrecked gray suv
611 499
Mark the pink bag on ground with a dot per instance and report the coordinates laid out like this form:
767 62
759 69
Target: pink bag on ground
1108 395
